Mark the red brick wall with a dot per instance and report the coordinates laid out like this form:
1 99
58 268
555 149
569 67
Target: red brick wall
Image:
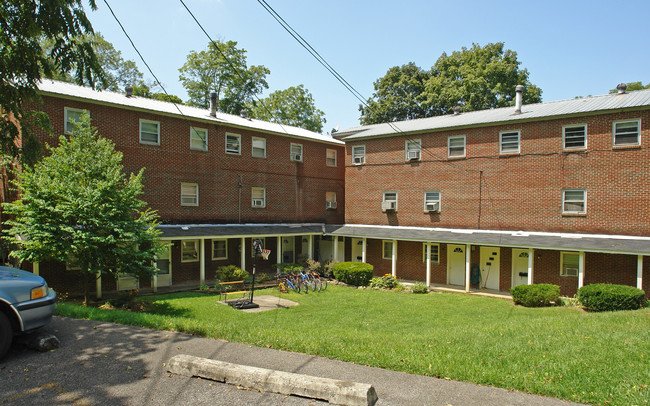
518 192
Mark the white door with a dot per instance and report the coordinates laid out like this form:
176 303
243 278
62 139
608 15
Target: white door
519 267
456 264
490 266
164 265
288 244
357 250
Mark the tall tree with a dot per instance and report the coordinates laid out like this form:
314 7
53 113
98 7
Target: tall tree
632 86
77 205
222 69
293 106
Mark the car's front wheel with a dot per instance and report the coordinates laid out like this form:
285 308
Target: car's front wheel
6 334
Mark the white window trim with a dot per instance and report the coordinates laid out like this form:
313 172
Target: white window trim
564 127
140 132
292 155
424 252
225 240
501 151
196 187
418 144
464 138
638 143
253 147
439 200
383 249
562 253
65 117
564 201
197 129
336 160
263 189
362 155
197 248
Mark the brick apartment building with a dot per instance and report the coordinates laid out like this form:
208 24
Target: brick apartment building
553 192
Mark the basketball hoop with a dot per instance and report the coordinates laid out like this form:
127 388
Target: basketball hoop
265 253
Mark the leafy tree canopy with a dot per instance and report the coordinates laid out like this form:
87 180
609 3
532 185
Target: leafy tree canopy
632 86
293 106
475 79
78 205
222 69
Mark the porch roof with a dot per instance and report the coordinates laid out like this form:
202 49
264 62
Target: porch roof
193 231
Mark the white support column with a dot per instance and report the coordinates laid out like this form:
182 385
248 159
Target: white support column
278 249
98 285
639 272
154 283
363 250
242 253
394 260
581 270
428 264
335 243
467 266
310 247
36 268
531 261
202 262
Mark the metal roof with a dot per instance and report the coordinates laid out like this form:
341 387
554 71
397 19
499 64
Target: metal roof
73 91
556 109
192 231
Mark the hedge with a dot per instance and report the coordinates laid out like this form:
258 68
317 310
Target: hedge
603 297
353 273
537 295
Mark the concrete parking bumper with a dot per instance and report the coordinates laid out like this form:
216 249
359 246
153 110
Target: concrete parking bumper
332 390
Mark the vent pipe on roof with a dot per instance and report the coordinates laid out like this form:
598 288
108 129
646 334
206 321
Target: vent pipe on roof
621 88
456 110
213 104
244 114
519 97
129 90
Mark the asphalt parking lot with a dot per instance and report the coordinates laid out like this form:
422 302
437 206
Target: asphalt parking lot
109 364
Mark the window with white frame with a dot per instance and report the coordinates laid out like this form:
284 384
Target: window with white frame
149 132
330 200
359 154
432 201
387 249
259 147
389 201
569 263
258 197
330 159
413 149
509 142
189 194
456 146
198 139
233 144
72 116
574 136
626 132
435 253
220 249
296 152
574 201
189 250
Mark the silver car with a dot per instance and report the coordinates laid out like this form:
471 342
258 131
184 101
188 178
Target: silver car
26 303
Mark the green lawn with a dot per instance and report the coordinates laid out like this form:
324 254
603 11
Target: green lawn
595 358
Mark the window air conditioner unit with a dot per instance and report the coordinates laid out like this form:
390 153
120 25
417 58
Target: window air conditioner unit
358 160
413 155
330 205
297 157
388 206
435 207
258 202
571 271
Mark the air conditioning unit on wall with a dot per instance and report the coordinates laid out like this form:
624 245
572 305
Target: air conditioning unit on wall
413 155
258 202
433 207
330 205
297 157
358 160
388 206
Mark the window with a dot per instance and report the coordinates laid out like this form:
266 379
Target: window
258 197
389 201
432 201
219 249
627 132
456 146
72 116
435 253
233 144
149 132
259 147
189 250
189 194
296 152
359 154
574 201
509 142
570 263
574 136
387 251
198 138
330 159
413 149
330 200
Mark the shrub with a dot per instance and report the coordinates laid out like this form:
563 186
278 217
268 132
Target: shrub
353 273
538 295
602 297
387 281
229 273
287 267
419 287
327 268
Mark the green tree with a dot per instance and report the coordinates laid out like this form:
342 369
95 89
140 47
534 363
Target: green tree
293 106
632 86
143 90
77 205
222 69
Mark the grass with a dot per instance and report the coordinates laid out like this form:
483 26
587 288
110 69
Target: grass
595 358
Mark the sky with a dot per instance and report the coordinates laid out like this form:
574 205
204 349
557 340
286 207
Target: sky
570 48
